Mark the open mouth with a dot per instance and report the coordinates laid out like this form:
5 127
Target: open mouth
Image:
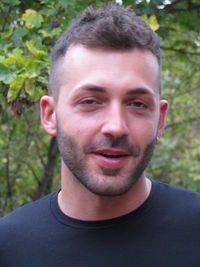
112 156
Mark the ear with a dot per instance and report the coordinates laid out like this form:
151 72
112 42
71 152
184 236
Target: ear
163 111
47 114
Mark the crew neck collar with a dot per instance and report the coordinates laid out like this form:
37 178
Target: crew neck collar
76 223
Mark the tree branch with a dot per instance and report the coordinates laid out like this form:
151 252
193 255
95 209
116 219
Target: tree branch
173 6
182 122
44 185
32 170
182 51
5 16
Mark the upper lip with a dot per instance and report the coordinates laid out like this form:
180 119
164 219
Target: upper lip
112 151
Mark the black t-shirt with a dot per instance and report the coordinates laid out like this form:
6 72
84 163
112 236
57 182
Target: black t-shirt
164 231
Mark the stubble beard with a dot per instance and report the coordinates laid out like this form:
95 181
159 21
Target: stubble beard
74 157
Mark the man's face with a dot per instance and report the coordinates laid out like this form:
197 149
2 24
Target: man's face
108 116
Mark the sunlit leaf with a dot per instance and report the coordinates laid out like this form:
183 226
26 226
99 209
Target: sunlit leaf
34 50
15 87
151 21
32 19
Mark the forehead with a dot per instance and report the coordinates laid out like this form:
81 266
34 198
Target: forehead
109 68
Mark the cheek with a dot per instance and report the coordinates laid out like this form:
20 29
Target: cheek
144 131
83 131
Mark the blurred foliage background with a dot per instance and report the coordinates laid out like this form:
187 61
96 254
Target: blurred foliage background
29 162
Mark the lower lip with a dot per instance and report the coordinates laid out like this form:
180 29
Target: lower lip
111 162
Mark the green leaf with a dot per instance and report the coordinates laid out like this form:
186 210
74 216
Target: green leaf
34 92
151 21
15 87
32 19
45 33
7 34
38 93
18 34
12 59
5 76
12 94
18 83
43 80
2 58
30 86
31 48
54 32
36 52
63 3
11 2
9 61
17 51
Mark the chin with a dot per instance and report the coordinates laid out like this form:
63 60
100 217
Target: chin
111 189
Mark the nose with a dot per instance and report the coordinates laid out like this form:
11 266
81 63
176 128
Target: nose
115 123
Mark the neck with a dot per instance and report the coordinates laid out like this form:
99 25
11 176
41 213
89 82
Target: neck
78 202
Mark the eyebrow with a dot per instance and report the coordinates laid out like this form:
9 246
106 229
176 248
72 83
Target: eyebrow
100 89
92 88
139 91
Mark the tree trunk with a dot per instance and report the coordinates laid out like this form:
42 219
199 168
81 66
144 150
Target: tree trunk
44 185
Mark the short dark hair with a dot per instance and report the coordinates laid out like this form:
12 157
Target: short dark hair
109 26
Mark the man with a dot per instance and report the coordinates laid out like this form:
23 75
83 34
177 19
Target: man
104 107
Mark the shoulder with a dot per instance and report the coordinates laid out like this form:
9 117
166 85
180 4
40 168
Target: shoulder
176 192
179 200
25 216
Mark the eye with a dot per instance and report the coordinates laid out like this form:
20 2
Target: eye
90 104
89 101
137 104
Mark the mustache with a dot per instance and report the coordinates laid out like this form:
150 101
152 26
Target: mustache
112 142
